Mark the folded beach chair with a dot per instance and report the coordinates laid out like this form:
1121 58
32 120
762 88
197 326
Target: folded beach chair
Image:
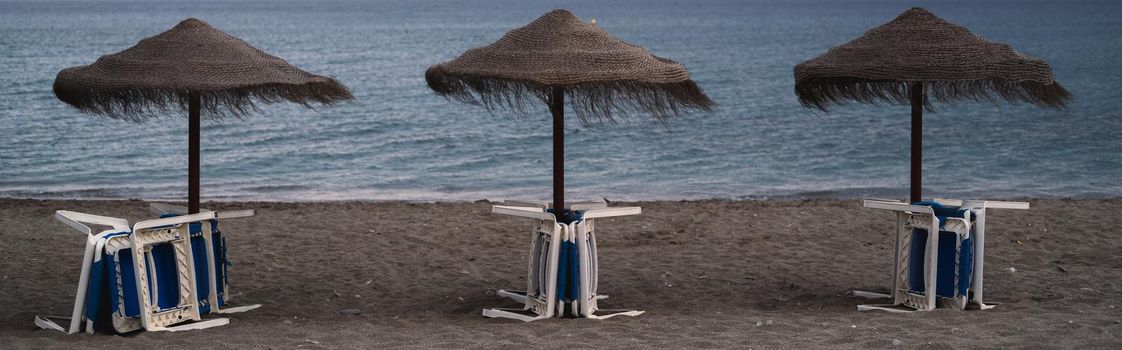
133 278
944 265
563 268
108 285
208 246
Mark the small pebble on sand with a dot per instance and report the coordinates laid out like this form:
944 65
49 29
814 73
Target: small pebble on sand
349 312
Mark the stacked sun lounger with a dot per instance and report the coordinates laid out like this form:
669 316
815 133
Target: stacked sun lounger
944 265
155 275
563 269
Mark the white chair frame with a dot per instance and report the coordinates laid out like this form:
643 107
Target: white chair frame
151 232
208 238
909 217
543 263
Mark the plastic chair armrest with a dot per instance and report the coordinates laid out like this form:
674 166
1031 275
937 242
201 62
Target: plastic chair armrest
77 220
175 220
897 206
526 212
612 212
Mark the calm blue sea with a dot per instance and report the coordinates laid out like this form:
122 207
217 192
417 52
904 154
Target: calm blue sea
401 141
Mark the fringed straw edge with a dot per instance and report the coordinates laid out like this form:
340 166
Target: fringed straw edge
137 104
821 93
593 102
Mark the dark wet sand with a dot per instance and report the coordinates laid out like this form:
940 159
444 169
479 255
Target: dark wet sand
710 274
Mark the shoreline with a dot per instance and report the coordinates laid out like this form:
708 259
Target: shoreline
499 201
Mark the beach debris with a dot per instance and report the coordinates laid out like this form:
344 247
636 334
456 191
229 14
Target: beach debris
1086 289
1117 321
350 312
769 322
1011 269
897 342
759 323
1061 268
370 281
465 272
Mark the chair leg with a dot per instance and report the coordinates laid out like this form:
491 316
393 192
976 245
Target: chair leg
83 285
93 245
979 258
76 316
931 266
542 269
208 237
586 245
519 296
899 271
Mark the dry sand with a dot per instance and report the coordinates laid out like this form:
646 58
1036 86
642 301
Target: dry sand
710 274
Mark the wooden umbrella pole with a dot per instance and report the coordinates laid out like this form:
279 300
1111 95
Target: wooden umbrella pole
917 141
193 126
557 108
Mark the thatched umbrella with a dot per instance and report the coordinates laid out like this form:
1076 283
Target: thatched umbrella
194 67
559 56
919 57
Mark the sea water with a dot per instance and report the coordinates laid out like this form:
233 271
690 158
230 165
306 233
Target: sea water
400 141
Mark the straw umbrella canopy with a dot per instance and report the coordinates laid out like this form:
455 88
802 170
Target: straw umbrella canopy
558 56
919 58
194 67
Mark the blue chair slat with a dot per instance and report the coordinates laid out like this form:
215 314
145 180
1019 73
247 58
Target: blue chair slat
98 299
124 265
221 264
568 265
163 259
945 262
202 267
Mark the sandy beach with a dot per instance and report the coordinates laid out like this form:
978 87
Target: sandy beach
709 274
